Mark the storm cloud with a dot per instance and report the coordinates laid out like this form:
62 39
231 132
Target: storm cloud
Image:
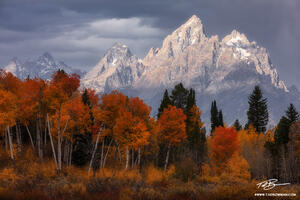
79 32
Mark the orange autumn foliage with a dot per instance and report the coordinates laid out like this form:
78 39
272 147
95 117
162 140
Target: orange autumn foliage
172 125
8 108
223 145
130 131
237 169
138 108
79 118
110 108
9 82
31 96
61 88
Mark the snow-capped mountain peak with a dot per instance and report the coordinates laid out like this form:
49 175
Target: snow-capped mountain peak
117 53
190 33
236 39
118 68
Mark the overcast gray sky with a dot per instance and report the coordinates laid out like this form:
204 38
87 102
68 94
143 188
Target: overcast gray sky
80 31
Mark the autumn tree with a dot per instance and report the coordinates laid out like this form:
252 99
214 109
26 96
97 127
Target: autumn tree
8 116
79 121
224 144
237 170
9 86
32 103
62 87
130 132
83 142
172 128
251 146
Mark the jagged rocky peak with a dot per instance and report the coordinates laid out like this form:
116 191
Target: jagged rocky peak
236 39
46 58
190 33
118 51
118 68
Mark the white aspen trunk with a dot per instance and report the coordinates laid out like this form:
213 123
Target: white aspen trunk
10 144
51 141
94 151
107 153
63 133
127 158
59 140
102 154
167 157
32 144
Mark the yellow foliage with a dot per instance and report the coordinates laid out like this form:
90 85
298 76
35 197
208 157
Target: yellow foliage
153 175
171 170
207 175
237 170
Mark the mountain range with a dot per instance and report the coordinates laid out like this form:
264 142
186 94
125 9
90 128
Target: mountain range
225 69
42 67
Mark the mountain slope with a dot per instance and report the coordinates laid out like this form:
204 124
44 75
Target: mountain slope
226 70
118 69
42 67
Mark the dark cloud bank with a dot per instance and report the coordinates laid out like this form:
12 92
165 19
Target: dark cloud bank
79 32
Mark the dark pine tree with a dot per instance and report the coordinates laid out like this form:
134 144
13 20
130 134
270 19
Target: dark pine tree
220 119
214 118
237 125
283 127
85 97
179 97
282 131
291 114
164 103
258 110
191 99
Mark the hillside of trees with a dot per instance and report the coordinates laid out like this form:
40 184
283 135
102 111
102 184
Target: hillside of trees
60 141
